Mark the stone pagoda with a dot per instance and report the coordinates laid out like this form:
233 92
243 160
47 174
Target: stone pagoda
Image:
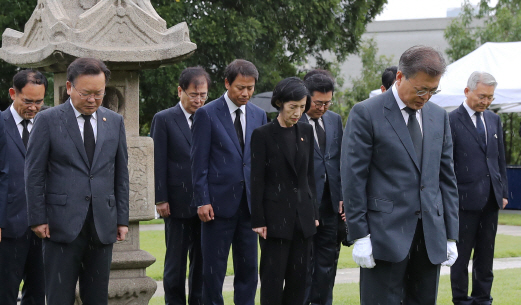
128 35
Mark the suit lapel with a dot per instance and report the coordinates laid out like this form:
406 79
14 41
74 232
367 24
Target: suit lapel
225 117
300 148
12 130
250 123
491 130
180 119
304 119
394 115
101 133
467 122
70 122
329 130
428 133
282 145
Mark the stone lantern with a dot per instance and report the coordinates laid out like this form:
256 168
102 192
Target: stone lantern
128 35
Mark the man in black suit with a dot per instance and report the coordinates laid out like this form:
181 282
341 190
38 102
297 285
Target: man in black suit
21 250
3 177
220 158
327 129
171 131
479 163
399 187
77 187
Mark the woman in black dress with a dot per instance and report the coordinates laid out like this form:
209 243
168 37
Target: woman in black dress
284 212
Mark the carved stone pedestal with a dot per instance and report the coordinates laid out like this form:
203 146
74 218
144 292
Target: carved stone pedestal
128 35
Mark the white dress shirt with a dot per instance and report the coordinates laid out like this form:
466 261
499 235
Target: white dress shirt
81 122
312 123
402 106
233 108
18 121
472 115
187 115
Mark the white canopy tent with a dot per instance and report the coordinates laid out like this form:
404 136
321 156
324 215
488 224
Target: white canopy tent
501 59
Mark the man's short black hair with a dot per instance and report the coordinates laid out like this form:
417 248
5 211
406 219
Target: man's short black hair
422 58
242 67
319 80
28 76
87 66
290 89
389 76
192 75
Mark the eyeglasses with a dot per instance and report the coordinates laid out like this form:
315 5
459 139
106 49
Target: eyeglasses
84 96
489 98
37 103
193 96
423 92
319 104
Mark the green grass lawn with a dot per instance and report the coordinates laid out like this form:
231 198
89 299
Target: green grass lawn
152 222
509 219
153 242
505 291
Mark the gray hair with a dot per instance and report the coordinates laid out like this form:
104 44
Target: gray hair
422 58
480 77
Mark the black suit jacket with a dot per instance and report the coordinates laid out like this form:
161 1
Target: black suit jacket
385 186
60 184
16 213
3 176
329 163
478 166
173 177
283 187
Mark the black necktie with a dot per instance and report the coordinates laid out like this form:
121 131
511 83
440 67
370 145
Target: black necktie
238 127
416 135
25 132
321 136
481 130
191 118
88 138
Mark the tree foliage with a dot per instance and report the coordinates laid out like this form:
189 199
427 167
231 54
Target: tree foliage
14 15
370 78
501 23
276 35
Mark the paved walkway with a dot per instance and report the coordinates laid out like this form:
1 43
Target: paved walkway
352 275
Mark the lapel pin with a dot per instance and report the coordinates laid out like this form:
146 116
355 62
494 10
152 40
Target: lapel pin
495 136
104 119
302 139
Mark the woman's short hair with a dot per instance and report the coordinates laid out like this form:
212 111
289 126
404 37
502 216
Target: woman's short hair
290 89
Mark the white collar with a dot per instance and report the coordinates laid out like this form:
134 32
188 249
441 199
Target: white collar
17 118
469 110
399 101
77 113
187 114
310 119
232 106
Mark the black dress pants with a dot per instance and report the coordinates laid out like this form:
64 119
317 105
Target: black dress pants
183 239
283 269
477 230
21 259
326 250
411 281
86 259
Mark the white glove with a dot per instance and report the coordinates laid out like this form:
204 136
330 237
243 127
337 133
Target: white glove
363 252
452 254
